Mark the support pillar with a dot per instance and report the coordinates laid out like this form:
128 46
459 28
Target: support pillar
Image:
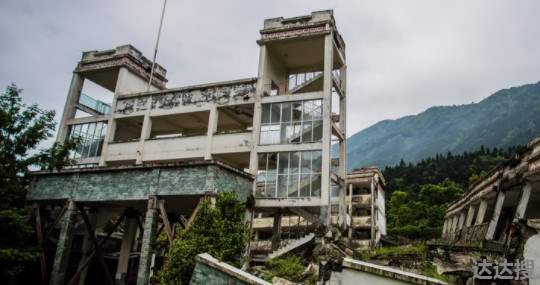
495 217
72 99
63 247
86 248
470 215
350 207
276 230
125 250
482 208
212 128
461 220
523 201
150 225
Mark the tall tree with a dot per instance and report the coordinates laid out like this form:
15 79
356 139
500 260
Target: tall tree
22 129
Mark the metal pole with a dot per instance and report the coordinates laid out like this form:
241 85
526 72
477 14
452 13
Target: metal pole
156 47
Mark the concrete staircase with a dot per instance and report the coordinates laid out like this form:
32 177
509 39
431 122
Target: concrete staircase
292 245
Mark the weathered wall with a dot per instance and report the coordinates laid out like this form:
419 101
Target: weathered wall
210 271
137 184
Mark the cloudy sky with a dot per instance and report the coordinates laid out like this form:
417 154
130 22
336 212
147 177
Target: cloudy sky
403 56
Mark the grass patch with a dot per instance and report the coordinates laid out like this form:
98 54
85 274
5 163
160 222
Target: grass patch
430 270
419 250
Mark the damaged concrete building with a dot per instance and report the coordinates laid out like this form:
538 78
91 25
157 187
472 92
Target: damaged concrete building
498 214
146 160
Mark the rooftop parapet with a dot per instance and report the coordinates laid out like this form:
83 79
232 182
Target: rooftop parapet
126 56
307 25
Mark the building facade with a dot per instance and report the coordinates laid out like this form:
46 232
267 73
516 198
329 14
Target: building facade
277 128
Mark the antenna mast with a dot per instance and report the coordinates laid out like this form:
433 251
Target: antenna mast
156 47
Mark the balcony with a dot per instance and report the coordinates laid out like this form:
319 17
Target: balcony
361 200
361 222
177 148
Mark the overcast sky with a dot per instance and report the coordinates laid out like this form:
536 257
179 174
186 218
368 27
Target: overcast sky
403 56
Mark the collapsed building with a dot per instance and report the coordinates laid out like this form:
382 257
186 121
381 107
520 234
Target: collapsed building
365 218
145 162
498 213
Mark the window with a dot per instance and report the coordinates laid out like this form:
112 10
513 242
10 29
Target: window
291 122
90 139
289 174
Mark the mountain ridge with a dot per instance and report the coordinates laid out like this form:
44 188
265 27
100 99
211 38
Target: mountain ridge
506 118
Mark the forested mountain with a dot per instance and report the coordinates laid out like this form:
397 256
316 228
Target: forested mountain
418 194
507 118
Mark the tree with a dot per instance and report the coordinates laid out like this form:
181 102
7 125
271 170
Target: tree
220 231
22 129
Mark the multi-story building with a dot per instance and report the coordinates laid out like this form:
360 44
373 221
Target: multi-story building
366 207
277 127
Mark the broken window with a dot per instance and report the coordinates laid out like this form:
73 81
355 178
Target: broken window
128 129
291 122
289 174
89 137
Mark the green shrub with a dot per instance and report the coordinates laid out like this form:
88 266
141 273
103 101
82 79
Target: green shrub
290 267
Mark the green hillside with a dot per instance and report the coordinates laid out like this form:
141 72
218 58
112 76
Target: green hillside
507 118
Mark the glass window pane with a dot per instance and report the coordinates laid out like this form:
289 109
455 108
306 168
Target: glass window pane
316 185
285 112
294 163
317 109
317 131
297 111
283 166
265 114
308 110
285 133
293 186
306 162
307 132
272 163
275 113
316 161
270 188
262 161
305 183
296 133
282 186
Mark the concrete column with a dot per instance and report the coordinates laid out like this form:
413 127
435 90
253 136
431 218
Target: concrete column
150 225
327 128
455 223
276 230
461 220
445 227
145 134
75 89
470 215
125 250
523 201
63 247
482 208
86 247
257 109
212 128
495 217
350 206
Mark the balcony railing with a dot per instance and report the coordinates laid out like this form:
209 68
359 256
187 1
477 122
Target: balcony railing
96 105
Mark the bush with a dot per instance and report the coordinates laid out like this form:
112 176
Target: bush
290 268
220 231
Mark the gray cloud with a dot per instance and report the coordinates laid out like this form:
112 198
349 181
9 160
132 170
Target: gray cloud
403 56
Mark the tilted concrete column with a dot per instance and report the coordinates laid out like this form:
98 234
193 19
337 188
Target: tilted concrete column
63 247
72 100
212 128
470 215
523 201
445 226
150 225
495 217
125 250
276 230
461 220
327 129
455 221
482 208
86 247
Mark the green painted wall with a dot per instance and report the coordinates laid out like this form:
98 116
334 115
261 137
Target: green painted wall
138 184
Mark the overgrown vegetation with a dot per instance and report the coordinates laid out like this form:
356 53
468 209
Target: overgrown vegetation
219 230
290 267
22 129
418 195
418 251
